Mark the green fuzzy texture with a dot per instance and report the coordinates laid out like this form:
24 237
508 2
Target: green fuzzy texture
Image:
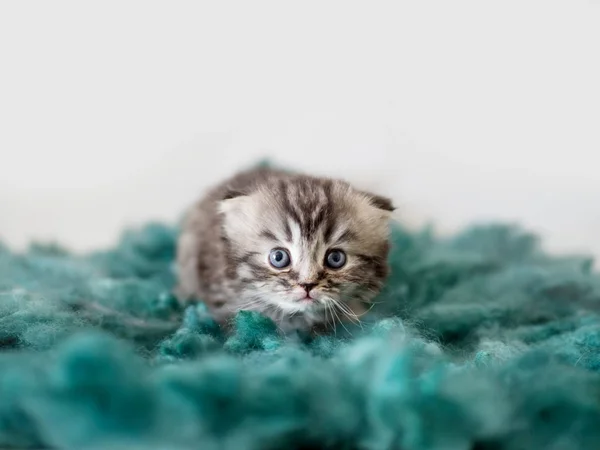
479 341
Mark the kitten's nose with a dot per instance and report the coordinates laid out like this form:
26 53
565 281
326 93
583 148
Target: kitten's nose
308 286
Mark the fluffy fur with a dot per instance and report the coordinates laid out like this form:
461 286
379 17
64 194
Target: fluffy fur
223 251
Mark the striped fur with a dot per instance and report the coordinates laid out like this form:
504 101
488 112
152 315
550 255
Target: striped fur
226 239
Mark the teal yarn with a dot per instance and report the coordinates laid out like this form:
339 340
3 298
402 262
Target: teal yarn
479 341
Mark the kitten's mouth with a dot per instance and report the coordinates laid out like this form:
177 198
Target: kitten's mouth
306 298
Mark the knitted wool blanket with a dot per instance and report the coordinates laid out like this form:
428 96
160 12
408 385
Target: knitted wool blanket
479 341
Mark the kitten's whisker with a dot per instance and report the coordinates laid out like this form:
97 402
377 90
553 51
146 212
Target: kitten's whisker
367 311
348 312
329 308
246 305
332 318
340 321
333 322
281 312
255 302
252 302
346 309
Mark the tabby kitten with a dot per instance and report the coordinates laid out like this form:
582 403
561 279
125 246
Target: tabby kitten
305 251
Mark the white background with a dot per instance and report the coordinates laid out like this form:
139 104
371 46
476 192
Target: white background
113 113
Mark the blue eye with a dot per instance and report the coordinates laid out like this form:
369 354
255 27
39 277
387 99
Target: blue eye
335 259
279 258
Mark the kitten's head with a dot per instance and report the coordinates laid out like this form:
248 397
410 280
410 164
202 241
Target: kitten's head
307 246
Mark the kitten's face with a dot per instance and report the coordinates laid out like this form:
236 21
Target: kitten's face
311 247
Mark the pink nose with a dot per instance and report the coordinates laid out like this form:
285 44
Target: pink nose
308 286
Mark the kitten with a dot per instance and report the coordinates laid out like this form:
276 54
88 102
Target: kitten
304 251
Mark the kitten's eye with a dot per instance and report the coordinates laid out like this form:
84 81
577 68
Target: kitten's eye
279 258
335 259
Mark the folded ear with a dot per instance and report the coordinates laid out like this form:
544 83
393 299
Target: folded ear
232 201
232 193
380 202
235 205
240 217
